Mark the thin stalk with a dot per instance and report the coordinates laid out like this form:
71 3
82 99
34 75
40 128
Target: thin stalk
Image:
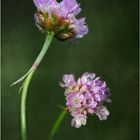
23 105
57 124
44 50
26 83
48 40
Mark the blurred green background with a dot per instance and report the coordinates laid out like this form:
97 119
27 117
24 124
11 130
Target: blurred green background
110 50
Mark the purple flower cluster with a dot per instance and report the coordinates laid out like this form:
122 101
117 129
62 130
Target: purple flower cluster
85 96
60 18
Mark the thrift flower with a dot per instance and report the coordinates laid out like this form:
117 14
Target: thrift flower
85 96
60 18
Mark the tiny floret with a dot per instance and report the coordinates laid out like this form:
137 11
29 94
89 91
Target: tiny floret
60 18
85 96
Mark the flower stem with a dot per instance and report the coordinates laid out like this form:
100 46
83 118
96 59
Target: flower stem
44 49
57 124
23 105
26 83
48 40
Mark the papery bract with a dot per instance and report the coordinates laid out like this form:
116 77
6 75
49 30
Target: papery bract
60 18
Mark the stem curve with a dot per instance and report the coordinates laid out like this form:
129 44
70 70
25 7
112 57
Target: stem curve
26 83
57 123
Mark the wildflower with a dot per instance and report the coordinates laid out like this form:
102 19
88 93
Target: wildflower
60 18
85 96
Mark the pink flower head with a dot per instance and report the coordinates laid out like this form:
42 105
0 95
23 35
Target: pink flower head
60 18
85 96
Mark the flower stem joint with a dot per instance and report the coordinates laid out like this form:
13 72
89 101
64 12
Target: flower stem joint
60 18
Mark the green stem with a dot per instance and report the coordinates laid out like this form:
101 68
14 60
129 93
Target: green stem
57 124
23 105
27 82
44 49
38 59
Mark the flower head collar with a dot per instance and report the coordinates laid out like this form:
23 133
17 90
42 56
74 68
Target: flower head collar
60 18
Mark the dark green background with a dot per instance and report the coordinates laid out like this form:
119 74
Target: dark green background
110 50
